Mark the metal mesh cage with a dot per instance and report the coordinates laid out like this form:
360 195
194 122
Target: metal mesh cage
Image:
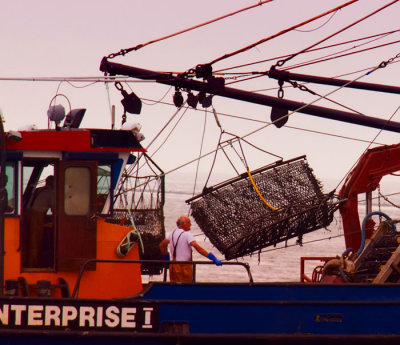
143 198
150 224
238 222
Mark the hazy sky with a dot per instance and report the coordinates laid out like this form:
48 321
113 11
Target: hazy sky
58 38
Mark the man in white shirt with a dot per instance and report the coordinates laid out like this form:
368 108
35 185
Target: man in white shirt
180 243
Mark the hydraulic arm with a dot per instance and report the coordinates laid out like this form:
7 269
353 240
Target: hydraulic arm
364 178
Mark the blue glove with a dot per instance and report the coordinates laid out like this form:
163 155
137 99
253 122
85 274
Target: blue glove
166 257
212 257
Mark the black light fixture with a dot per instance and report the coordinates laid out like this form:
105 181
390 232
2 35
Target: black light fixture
178 98
192 100
279 116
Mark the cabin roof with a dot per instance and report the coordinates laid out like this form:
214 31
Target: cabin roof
90 140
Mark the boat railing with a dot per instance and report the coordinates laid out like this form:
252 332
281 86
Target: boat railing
245 265
303 276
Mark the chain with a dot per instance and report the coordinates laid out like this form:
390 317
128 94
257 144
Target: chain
280 91
383 64
302 87
124 51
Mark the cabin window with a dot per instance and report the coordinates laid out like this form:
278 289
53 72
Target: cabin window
77 191
103 186
10 189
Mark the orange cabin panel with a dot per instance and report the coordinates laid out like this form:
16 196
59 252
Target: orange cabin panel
109 280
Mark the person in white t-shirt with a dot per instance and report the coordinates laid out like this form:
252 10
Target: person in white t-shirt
180 243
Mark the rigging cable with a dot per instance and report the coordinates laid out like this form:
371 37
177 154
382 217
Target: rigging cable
166 125
368 146
169 134
281 62
318 27
313 61
200 153
302 87
384 34
281 32
334 77
291 127
324 59
381 65
385 197
139 46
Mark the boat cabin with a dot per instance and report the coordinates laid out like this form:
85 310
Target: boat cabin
60 187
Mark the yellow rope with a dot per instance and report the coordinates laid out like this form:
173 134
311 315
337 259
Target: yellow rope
259 194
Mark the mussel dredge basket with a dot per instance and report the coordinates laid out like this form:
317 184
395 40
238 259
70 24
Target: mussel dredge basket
239 222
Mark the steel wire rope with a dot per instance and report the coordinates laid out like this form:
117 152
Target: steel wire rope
104 80
242 158
306 63
90 80
288 126
139 46
161 131
293 245
334 77
377 197
270 123
136 164
314 101
368 146
200 152
245 76
384 34
281 62
381 65
155 102
302 87
311 241
385 197
97 79
318 27
169 134
182 115
281 32
296 244
324 59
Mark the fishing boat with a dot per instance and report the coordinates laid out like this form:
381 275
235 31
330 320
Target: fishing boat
82 215
82 282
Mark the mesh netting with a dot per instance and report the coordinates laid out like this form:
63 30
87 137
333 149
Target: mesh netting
238 222
150 224
141 194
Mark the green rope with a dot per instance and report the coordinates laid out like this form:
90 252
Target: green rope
132 237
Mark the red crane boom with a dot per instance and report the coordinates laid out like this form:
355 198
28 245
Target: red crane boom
364 178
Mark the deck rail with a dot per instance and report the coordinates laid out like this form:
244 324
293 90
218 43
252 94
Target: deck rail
303 276
166 263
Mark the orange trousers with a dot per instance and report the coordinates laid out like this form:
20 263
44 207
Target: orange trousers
181 273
